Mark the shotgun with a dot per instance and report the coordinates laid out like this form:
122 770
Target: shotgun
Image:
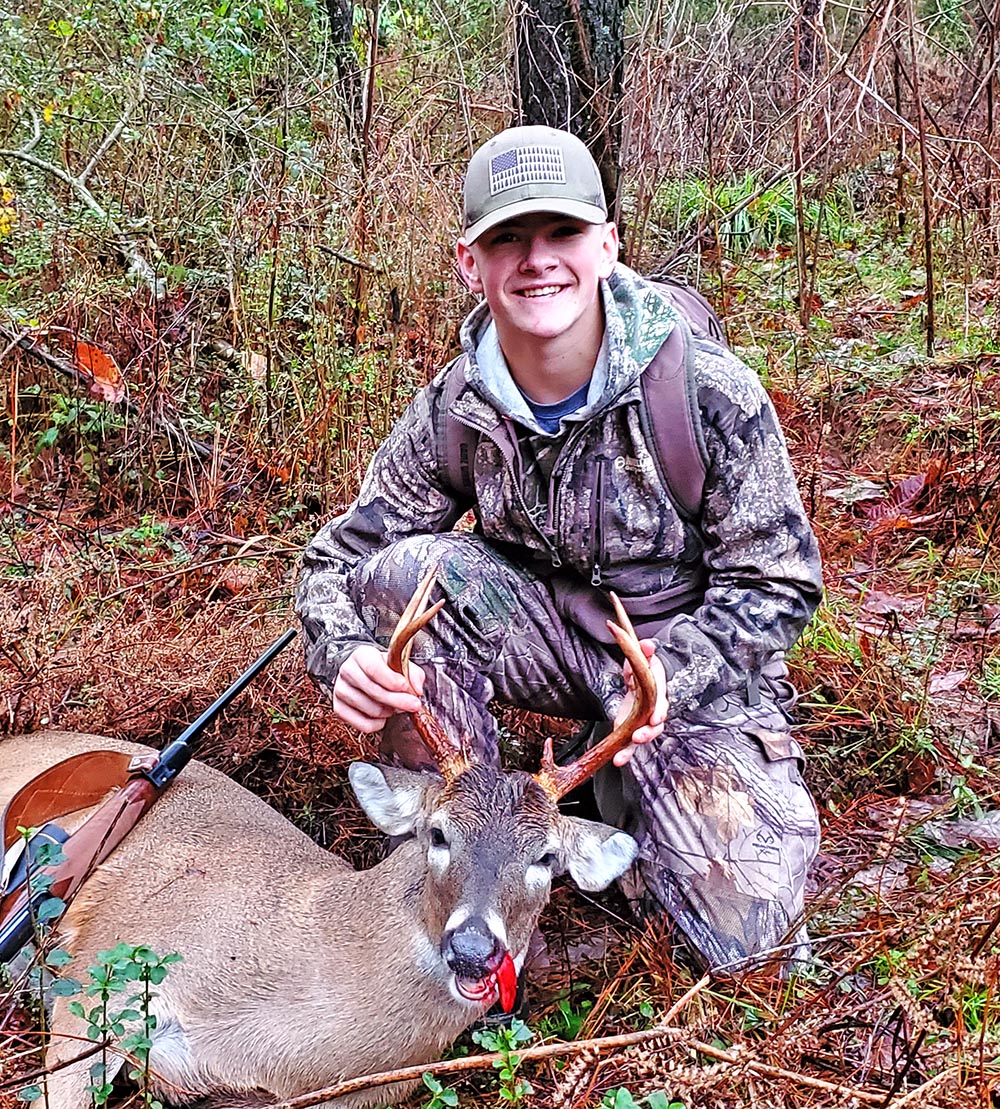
105 828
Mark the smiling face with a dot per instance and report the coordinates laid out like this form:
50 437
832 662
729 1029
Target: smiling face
540 275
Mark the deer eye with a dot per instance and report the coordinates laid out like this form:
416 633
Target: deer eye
548 860
438 838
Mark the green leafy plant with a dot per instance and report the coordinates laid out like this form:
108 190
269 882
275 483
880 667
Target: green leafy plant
750 214
569 1016
979 1010
623 1099
149 538
505 1041
117 969
150 970
49 959
946 26
75 420
442 1097
989 680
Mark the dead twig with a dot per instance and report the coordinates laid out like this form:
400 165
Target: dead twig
678 1036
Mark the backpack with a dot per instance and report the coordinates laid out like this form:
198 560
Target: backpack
669 413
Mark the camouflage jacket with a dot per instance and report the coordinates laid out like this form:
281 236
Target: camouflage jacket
721 594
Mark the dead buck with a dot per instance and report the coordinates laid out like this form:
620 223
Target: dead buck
298 971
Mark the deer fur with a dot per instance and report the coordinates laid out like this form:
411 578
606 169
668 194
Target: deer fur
298 971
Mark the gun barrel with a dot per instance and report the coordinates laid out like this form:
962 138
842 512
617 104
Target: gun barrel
177 754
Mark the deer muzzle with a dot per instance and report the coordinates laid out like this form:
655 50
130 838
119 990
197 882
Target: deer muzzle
474 954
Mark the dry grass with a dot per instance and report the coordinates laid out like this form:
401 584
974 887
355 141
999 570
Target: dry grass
114 638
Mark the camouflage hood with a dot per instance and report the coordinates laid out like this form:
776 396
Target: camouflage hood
637 321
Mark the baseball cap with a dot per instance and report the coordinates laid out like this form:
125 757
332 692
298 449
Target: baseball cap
531 169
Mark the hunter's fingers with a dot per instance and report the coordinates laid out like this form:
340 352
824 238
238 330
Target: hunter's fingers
367 692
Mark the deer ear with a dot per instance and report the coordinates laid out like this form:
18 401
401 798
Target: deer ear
392 797
595 854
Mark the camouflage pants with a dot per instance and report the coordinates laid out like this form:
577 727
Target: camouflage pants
726 826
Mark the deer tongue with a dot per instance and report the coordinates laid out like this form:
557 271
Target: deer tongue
506 976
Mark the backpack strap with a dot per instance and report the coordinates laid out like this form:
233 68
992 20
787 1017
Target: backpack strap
671 420
455 442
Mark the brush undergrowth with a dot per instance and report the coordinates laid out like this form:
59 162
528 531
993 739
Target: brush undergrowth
301 293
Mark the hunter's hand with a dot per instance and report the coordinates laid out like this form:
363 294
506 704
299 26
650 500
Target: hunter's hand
367 692
659 715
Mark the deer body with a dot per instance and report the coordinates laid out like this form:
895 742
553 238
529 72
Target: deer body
298 971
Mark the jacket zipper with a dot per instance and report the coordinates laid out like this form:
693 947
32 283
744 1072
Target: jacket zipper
554 497
597 515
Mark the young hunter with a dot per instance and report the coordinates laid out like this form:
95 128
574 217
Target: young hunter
565 482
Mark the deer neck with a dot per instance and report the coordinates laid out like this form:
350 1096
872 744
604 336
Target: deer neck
384 909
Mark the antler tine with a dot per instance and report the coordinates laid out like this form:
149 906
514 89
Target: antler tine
450 759
557 781
413 618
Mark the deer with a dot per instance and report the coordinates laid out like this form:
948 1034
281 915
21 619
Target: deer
297 971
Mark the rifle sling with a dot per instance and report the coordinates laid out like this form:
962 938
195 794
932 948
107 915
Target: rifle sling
75 783
89 845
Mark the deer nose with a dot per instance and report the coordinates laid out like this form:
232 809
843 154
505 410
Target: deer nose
472 950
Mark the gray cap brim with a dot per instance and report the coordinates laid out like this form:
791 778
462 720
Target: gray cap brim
558 206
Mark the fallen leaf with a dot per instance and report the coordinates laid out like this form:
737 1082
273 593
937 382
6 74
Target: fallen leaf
255 364
106 378
236 579
982 831
286 729
882 878
904 494
880 603
855 489
941 683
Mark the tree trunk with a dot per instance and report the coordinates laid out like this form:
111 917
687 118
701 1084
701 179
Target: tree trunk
810 21
341 16
570 63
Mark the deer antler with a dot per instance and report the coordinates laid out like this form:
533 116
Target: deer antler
450 759
557 781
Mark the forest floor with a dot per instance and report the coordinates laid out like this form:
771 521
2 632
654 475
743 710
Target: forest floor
128 624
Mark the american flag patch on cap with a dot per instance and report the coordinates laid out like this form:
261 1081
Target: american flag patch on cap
526 165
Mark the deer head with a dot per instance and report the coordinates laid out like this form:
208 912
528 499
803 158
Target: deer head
493 840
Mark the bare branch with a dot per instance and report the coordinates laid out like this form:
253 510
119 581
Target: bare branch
138 94
662 1032
78 184
36 127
